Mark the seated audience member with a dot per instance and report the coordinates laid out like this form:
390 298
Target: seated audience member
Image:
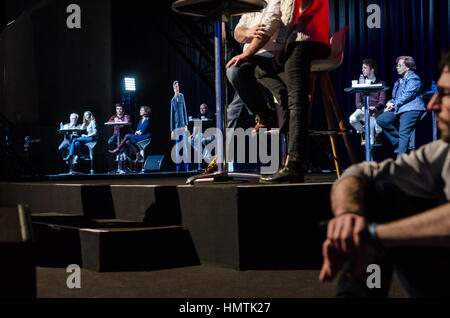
377 102
395 215
405 108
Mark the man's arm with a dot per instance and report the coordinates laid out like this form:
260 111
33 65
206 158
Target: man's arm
246 35
255 46
430 228
347 196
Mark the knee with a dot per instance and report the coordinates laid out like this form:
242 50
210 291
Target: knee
353 119
232 74
381 120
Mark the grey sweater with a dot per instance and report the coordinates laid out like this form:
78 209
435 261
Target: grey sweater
422 173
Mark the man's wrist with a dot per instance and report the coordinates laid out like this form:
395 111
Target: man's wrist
374 238
338 214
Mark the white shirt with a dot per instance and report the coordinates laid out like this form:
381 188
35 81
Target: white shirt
270 17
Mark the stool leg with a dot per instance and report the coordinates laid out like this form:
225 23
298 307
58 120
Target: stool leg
326 96
338 115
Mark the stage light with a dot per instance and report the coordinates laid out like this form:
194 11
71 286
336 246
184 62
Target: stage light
130 84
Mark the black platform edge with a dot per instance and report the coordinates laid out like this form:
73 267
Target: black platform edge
257 227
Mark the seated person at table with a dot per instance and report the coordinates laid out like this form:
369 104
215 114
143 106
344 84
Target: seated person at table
142 133
377 102
78 146
208 120
121 117
405 108
65 145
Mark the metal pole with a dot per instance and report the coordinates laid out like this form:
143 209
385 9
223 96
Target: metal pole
369 155
221 110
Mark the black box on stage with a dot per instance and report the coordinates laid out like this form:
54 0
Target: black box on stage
153 163
17 269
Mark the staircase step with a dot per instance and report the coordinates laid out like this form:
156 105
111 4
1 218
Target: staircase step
110 245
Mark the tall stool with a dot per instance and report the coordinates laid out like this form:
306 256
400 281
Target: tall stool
320 70
91 146
142 146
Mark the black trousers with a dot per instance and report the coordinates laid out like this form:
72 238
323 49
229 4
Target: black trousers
291 86
422 271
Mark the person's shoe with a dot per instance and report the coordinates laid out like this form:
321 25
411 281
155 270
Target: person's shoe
261 123
114 152
288 173
212 167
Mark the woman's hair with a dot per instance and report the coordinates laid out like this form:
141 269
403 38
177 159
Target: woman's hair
85 122
147 110
409 62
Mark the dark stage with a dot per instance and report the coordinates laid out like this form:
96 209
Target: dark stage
150 234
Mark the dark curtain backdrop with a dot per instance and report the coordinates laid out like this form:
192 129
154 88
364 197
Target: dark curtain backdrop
419 28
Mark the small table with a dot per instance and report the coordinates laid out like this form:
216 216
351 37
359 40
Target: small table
70 132
365 91
119 159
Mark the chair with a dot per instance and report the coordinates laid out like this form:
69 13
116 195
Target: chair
91 146
142 145
320 70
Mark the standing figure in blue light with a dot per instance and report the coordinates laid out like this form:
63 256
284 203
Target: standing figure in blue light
179 122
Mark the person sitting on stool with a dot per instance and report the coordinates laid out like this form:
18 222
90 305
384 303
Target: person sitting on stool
78 144
142 133
119 116
65 145
377 103
405 107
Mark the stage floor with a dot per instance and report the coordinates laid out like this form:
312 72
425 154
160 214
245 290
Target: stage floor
156 178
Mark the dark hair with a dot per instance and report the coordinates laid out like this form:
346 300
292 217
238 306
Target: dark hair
372 64
118 105
445 60
147 110
409 62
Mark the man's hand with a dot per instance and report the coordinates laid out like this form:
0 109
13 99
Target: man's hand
255 32
333 260
347 240
389 107
138 132
345 232
172 135
238 59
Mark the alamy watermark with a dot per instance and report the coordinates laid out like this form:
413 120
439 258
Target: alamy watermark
74 279
74 19
209 142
